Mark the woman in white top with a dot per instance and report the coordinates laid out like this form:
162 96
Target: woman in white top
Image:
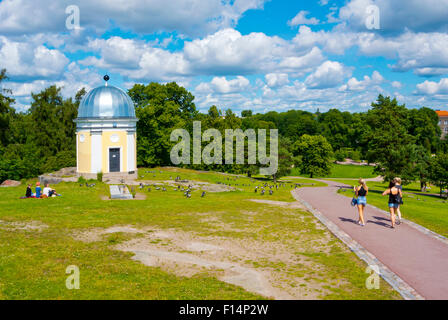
47 190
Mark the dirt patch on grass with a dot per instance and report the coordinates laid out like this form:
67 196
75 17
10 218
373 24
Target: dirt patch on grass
96 234
262 267
28 226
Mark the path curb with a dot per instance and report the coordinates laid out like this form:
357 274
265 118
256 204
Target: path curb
404 289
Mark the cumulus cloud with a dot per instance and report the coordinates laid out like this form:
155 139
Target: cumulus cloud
25 60
229 52
396 84
398 15
226 52
328 75
221 85
433 88
331 41
354 84
276 79
304 62
301 18
191 17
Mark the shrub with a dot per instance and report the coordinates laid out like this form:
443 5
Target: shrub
99 176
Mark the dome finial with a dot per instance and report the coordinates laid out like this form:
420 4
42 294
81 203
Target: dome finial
106 78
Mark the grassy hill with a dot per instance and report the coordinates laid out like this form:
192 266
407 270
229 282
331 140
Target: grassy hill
166 246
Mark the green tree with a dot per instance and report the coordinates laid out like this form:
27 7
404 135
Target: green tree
286 159
160 109
315 155
389 144
246 113
439 171
423 126
6 111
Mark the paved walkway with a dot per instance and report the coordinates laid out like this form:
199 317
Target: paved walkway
418 258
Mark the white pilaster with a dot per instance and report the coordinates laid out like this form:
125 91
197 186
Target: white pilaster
131 151
97 152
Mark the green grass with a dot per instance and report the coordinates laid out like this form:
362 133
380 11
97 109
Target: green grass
345 171
426 210
32 263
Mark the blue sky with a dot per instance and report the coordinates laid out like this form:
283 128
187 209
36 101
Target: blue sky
239 54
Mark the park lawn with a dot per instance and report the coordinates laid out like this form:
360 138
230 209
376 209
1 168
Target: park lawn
427 210
344 171
33 261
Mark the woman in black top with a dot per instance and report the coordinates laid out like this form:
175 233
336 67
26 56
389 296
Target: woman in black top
394 196
399 187
361 193
29 192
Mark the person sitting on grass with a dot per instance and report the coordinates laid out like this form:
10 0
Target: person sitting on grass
29 192
38 190
49 192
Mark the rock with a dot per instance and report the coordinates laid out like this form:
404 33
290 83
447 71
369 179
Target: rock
49 179
10 183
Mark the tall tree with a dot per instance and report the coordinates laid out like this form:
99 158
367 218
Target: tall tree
6 111
389 144
315 155
160 109
439 171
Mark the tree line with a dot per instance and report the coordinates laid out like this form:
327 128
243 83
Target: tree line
401 142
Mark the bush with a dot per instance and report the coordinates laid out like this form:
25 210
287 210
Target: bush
81 179
99 176
339 155
355 155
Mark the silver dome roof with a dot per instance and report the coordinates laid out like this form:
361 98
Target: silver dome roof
106 102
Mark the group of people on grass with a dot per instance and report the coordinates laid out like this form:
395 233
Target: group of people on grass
395 193
47 192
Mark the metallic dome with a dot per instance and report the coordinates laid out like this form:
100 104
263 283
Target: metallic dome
106 102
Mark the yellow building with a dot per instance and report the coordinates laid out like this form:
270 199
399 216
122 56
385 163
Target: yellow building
106 138
443 122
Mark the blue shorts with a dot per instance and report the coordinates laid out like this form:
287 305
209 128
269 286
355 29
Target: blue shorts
393 205
362 200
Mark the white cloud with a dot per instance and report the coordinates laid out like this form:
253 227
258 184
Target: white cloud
328 75
433 88
191 17
397 84
398 15
30 60
332 41
302 63
354 84
301 18
225 52
229 52
276 79
221 85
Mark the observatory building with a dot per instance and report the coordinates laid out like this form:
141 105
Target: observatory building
106 138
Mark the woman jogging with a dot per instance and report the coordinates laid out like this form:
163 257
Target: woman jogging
361 192
394 194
